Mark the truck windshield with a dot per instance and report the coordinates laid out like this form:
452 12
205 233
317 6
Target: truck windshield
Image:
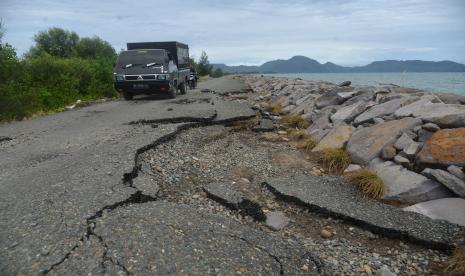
145 58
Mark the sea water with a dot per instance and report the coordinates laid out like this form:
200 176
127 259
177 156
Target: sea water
452 82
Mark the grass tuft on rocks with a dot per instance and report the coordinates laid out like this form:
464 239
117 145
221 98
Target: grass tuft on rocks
292 120
275 107
368 182
335 160
456 264
307 145
298 134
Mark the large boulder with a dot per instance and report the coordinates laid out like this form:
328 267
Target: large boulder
366 143
381 110
448 209
410 109
452 182
348 113
407 186
444 115
329 98
321 120
445 147
448 121
336 138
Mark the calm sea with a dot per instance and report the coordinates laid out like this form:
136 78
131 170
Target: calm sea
434 82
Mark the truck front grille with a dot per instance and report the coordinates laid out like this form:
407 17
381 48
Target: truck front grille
140 77
131 77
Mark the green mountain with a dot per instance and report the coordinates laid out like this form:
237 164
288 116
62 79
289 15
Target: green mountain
301 64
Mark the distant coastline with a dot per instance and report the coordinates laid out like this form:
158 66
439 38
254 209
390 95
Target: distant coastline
302 64
437 82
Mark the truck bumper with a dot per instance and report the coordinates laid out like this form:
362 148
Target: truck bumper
143 87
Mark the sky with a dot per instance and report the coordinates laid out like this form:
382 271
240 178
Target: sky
252 32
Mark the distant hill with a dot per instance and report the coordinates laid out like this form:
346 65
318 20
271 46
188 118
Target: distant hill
301 64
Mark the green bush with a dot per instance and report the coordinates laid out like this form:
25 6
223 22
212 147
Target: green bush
49 83
217 73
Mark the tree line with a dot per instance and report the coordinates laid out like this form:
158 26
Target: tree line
59 69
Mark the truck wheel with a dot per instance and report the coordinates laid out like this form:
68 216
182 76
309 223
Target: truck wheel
173 91
183 88
127 96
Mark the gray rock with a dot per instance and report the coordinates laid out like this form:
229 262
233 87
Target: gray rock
348 113
457 172
336 138
448 209
452 182
329 98
407 186
431 127
347 95
424 135
367 143
352 168
451 98
401 160
411 133
384 271
318 134
411 149
331 196
321 120
345 83
264 125
380 110
378 120
449 121
444 115
403 141
410 109
416 129
276 220
388 152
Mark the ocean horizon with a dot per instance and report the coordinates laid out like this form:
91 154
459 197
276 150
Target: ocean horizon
440 82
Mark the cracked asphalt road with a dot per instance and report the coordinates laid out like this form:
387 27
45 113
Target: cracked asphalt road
72 200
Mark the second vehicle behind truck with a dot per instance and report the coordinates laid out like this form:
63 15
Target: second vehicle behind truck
152 67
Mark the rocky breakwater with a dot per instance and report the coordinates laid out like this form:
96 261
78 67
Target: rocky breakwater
414 140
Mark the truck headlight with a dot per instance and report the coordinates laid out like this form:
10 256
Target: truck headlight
163 77
119 78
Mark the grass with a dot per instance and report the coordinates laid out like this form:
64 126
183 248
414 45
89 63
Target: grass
308 144
298 134
292 120
334 160
270 137
275 107
456 264
368 182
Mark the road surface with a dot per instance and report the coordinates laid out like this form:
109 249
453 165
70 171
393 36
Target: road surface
72 200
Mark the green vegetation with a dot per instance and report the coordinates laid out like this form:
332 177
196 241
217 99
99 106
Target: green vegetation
58 70
307 145
275 107
204 68
456 264
217 73
368 182
335 160
298 134
294 121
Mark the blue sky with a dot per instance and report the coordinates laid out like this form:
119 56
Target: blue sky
252 32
